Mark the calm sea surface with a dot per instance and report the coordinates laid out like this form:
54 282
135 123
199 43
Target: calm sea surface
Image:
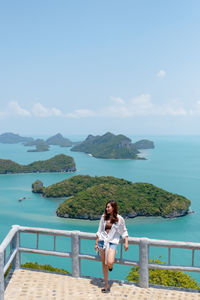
173 165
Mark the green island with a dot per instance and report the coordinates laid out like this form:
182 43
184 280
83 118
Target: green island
58 139
88 195
40 144
58 163
12 138
112 146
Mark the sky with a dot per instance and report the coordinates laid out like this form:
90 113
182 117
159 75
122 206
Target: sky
89 67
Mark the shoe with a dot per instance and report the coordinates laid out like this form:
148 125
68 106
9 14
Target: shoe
105 290
110 269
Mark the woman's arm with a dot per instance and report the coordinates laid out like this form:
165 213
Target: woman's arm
96 243
124 233
126 243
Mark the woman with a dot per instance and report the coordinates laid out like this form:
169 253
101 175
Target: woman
111 226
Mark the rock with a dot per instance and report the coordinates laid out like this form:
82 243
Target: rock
177 213
37 187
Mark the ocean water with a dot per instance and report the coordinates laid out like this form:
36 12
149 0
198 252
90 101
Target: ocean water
173 165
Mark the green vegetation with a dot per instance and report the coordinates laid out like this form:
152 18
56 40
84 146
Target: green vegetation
112 146
40 144
36 266
165 277
58 139
58 163
108 146
88 196
12 138
144 144
37 187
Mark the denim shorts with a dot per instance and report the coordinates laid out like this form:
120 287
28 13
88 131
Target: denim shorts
111 245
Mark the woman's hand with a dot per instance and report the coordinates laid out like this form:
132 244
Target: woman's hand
96 244
126 244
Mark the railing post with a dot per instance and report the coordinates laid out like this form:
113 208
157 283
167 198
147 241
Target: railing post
75 246
1 275
143 263
15 245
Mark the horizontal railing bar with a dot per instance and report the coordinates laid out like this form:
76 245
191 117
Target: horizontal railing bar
117 261
46 231
174 268
89 257
45 252
12 256
173 244
131 240
8 238
126 262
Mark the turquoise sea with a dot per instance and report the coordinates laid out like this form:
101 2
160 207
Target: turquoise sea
173 165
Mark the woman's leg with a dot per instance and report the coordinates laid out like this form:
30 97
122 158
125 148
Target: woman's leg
105 268
111 258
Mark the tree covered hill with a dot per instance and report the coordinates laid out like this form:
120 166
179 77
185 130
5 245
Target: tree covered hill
58 139
12 138
40 144
88 195
58 163
111 146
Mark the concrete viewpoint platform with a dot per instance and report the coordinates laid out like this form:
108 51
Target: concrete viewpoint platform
35 285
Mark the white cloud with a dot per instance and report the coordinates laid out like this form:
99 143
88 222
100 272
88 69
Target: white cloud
81 113
57 112
39 110
117 100
15 108
142 106
161 74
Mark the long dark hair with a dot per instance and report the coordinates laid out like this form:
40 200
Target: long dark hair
114 218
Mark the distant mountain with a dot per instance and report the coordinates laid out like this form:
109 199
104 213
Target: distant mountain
144 144
12 138
40 144
111 146
58 139
58 163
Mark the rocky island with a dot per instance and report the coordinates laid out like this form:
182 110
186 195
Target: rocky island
58 163
12 138
58 139
88 195
112 146
40 145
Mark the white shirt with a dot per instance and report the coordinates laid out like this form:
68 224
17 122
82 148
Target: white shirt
118 229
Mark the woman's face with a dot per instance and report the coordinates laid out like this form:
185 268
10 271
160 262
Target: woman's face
109 208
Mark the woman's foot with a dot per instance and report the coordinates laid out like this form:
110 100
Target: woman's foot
105 290
110 269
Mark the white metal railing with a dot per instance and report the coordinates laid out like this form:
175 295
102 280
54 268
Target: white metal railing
13 239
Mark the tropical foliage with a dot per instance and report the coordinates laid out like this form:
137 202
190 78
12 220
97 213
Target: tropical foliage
36 266
108 146
88 195
58 163
165 277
